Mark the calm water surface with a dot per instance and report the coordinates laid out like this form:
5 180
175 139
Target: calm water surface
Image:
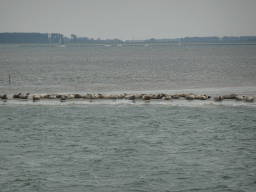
128 68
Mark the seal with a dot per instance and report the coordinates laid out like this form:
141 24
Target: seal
157 96
52 97
88 96
16 95
70 96
190 97
96 96
218 98
176 96
77 96
36 97
109 97
24 96
239 98
229 96
4 96
247 98
63 98
130 97
120 96
138 96
146 97
44 96
168 97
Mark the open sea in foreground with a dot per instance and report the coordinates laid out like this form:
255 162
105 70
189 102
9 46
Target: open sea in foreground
120 145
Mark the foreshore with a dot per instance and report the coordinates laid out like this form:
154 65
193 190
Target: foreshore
121 102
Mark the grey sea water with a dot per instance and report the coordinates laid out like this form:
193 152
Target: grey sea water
118 145
126 68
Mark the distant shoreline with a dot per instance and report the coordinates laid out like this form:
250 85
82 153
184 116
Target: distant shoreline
124 44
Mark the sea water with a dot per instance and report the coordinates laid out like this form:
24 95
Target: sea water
119 145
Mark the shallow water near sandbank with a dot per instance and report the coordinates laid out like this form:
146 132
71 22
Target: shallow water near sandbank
127 148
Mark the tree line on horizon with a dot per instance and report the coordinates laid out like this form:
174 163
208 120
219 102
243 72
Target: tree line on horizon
213 39
55 37
30 37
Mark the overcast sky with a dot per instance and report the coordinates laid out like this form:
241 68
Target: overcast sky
130 19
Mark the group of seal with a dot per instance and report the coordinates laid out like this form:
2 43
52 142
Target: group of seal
21 96
126 96
234 96
18 96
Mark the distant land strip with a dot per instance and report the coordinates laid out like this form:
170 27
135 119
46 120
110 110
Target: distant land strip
54 38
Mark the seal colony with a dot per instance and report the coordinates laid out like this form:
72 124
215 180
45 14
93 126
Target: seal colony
126 96
234 96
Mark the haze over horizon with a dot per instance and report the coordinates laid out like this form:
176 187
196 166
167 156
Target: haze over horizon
133 19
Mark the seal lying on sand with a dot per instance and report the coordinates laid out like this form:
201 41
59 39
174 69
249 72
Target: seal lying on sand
239 97
229 96
246 98
190 97
108 96
120 96
44 96
139 96
4 96
218 98
92 96
16 95
24 96
63 98
130 97
36 97
70 96
88 96
146 97
168 97
176 96
95 96
78 96
52 97
202 97
157 96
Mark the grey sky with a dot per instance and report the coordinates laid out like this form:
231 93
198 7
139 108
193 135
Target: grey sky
130 19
